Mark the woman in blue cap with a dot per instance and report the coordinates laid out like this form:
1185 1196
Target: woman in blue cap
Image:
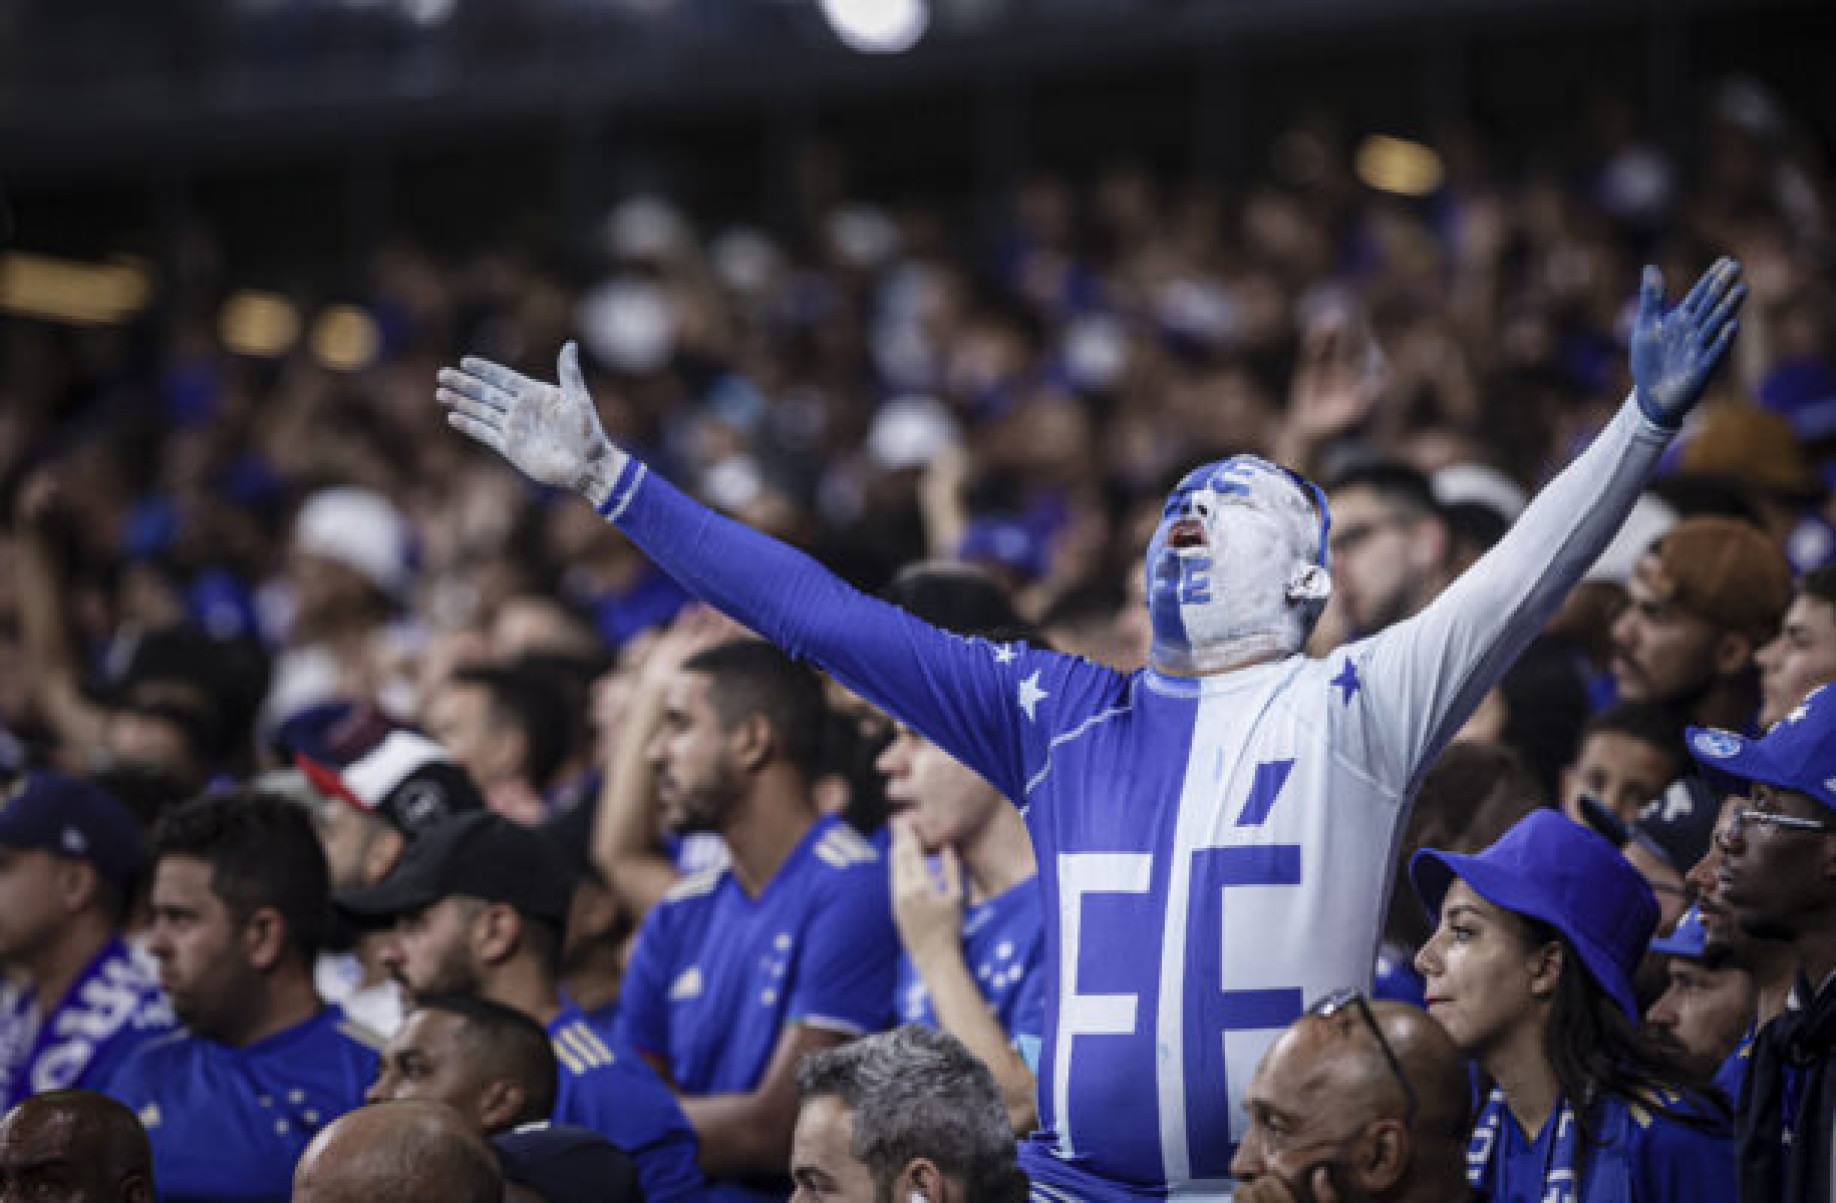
1530 971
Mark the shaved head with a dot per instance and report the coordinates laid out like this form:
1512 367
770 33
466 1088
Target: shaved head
77 1146
406 1152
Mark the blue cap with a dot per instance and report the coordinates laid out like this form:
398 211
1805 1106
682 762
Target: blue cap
1688 939
67 816
1798 753
1550 868
1009 542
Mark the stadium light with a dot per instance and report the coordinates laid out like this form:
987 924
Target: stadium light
877 26
1399 166
258 324
72 292
345 339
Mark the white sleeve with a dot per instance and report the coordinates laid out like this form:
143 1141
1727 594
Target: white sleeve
1422 678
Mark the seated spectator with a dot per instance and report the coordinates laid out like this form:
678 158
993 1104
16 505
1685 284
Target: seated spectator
1392 550
908 1114
491 1063
971 930
1776 881
1669 836
384 785
239 905
1626 755
1706 596
1802 655
742 972
599 927
1707 1006
559 1163
409 1152
1530 972
478 905
508 728
75 1144
70 857
1361 1102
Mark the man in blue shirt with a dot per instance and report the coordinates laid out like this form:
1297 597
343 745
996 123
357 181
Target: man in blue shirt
1214 832
239 905
478 905
70 854
740 973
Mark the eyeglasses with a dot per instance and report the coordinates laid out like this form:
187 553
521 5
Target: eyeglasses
1340 1001
1739 820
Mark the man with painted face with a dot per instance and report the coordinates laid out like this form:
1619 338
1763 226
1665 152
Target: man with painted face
1213 831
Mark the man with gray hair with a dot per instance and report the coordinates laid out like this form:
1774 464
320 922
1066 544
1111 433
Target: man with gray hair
910 1115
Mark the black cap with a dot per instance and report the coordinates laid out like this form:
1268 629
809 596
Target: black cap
480 855
566 1164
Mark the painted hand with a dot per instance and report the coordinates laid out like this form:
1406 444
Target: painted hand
549 432
1675 353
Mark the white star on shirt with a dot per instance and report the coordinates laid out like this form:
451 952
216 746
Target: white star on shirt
1004 653
1030 693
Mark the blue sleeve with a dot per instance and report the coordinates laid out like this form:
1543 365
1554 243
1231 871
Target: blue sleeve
643 999
651 1127
976 700
1675 1163
849 962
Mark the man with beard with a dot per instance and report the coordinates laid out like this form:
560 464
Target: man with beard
478 905
1213 831
239 905
742 972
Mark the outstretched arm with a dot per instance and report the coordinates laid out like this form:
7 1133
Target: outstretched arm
1426 675
958 692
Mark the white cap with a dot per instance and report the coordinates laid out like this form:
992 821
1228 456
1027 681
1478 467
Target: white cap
1645 525
910 432
361 530
1476 484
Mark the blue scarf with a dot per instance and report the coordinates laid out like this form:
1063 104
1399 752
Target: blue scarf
40 1053
1561 1182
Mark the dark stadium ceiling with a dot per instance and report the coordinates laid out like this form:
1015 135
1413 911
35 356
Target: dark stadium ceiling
105 85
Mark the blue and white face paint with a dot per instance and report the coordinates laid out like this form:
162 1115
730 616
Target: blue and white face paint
1237 569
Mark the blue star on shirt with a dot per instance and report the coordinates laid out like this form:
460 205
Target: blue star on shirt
1347 683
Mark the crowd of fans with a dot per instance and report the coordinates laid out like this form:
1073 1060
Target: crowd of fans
347 766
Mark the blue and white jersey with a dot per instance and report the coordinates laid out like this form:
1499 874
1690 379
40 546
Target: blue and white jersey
1003 945
229 1123
112 1008
624 1101
1214 853
718 975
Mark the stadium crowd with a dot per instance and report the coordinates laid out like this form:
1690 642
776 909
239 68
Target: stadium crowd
385 823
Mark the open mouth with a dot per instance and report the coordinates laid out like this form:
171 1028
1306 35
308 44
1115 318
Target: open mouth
1187 533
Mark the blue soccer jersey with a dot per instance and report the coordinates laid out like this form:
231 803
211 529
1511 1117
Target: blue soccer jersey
1213 852
229 1123
718 975
112 1008
623 1100
1003 945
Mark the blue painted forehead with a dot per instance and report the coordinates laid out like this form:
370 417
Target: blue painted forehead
1238 474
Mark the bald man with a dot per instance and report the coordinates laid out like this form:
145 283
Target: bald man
1357 1102
407 1152
74 1146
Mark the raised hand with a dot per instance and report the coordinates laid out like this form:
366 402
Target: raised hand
551 433
1675 353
